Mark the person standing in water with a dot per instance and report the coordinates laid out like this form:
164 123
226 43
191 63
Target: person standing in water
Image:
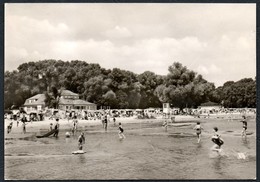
165 124
51 126
24 120
121 132
81 141
216 140
114 119
243 133
198 129
56 127
75 123
105 123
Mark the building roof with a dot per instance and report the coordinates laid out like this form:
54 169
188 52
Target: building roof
210 104
74 102
68 93
39 100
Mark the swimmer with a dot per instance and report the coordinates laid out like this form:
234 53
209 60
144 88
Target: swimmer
217 141
120 133
243 133
198 129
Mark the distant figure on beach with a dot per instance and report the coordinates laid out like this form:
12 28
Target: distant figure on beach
165 124
102 120
198 129
9 127
24 127
217 141
121 132
105 123
56 127
81 141
243 133
24 120
74 125
51 126
114 119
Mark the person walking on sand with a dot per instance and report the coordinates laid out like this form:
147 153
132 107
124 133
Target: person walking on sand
198 129
121 132
56 127
81 141
216 140
243 133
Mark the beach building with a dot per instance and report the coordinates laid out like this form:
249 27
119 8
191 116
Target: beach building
68 101
35 103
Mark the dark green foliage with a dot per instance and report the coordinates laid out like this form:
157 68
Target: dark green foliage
237 94
118 88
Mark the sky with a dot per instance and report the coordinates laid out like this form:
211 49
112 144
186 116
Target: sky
217 41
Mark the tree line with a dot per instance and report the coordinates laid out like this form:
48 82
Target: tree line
120 89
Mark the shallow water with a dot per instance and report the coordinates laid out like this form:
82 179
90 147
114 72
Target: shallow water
148 152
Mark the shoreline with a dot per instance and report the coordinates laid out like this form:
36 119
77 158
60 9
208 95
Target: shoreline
36 127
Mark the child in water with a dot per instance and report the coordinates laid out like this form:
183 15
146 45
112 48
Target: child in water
243 133
121 130
216 140
114 119
165 124
81 141
198 129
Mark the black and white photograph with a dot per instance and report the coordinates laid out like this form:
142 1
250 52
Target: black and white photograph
130 91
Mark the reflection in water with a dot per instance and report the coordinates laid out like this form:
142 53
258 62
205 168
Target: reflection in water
199 145
218 165
246 143
81 158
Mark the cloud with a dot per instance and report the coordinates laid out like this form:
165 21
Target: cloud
218 41
118 32
205 70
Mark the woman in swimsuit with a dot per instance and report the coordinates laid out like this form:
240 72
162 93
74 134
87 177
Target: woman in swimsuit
121 130
243 133
198 129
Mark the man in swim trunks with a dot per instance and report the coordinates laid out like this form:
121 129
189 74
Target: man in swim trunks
198 129
216 140
243 133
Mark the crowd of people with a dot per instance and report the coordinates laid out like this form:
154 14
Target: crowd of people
107 116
